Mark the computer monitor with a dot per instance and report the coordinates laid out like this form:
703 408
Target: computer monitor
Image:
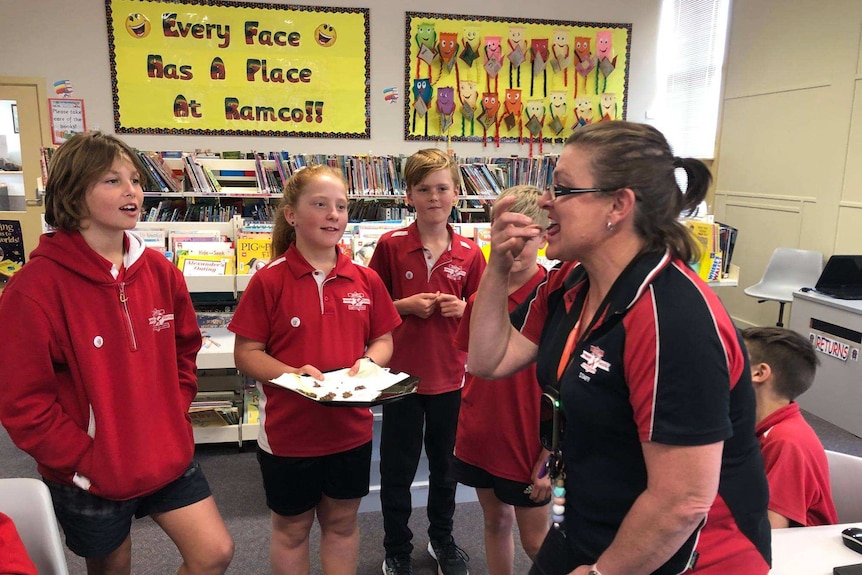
842 277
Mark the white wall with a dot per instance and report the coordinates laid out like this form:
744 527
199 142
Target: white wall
67 40
790 154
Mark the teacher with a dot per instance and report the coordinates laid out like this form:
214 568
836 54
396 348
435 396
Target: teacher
658 470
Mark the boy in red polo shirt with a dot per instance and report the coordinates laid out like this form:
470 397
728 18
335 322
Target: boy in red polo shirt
782 368
429 271
497 449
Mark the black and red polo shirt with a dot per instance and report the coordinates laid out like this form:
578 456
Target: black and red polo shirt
663 362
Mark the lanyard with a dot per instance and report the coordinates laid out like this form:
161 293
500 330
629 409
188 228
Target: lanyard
577 336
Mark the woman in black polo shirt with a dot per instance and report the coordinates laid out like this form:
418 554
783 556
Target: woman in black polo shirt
660 470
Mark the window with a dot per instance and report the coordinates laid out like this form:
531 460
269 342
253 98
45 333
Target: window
692 36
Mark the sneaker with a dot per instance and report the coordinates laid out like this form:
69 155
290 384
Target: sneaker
398 565
451 559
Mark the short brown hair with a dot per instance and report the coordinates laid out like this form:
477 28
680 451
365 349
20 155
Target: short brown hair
789 355
283 233
423 162
74 168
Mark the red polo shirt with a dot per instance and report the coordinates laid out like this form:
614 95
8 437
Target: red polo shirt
796 468
426 347
498 425
327 323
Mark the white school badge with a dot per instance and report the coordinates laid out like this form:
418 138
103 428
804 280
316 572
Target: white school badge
294 321
409 275
356 301
594 360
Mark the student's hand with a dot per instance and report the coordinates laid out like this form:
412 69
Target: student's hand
451 305
420 304
363 367
310 370
510 232
541 481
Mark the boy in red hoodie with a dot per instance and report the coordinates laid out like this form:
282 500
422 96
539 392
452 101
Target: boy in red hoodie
107 328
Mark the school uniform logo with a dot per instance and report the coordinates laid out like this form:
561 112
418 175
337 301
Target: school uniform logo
593 360
454 272
160 320
357 301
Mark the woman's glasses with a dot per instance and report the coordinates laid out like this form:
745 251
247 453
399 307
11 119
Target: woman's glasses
559 191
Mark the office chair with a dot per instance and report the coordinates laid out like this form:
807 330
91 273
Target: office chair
27 502
844 473
788 270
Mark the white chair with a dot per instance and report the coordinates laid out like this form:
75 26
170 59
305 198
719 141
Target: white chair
845 473
27 502
788 270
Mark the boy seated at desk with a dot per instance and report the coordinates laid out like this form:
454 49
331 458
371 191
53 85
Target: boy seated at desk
783 364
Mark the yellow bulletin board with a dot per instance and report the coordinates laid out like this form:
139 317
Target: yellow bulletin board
239 68
483 78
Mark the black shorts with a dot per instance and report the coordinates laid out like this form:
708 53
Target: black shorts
508 491
293 485
95 526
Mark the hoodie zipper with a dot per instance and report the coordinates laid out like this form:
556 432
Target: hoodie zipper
123 302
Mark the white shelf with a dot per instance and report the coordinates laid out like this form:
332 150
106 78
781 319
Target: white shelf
221 284
220 434
730 280
249 431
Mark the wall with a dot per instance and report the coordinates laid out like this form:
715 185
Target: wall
789 170
67 40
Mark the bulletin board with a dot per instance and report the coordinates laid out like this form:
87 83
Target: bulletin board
217 67
489 79
67 118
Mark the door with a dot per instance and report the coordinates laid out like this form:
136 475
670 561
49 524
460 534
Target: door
22 148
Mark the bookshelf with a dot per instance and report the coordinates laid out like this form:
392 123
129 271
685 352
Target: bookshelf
192 187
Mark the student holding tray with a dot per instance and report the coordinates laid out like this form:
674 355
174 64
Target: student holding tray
312 310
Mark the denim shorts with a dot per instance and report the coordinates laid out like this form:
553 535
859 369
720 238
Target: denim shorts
293 485
95 526
511 492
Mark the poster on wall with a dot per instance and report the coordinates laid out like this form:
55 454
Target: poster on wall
67 118
216 67
489 79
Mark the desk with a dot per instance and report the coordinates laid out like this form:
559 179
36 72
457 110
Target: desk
810 550
837 325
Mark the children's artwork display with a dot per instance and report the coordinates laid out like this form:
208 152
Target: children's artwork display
489 79
218 67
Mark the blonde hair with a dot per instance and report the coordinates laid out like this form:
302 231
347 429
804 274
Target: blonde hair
526 202
283 233
423 162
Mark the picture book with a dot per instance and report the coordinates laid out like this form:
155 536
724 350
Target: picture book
11 247
251 402
708 266
253 251
207 265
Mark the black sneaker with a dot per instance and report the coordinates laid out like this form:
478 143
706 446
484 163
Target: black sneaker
451 559
398 565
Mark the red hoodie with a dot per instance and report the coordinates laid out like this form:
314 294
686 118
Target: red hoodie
98 373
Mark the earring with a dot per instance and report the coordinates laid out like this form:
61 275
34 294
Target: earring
610 227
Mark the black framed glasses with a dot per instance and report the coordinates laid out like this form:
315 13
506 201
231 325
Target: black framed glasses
551 420
559 191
